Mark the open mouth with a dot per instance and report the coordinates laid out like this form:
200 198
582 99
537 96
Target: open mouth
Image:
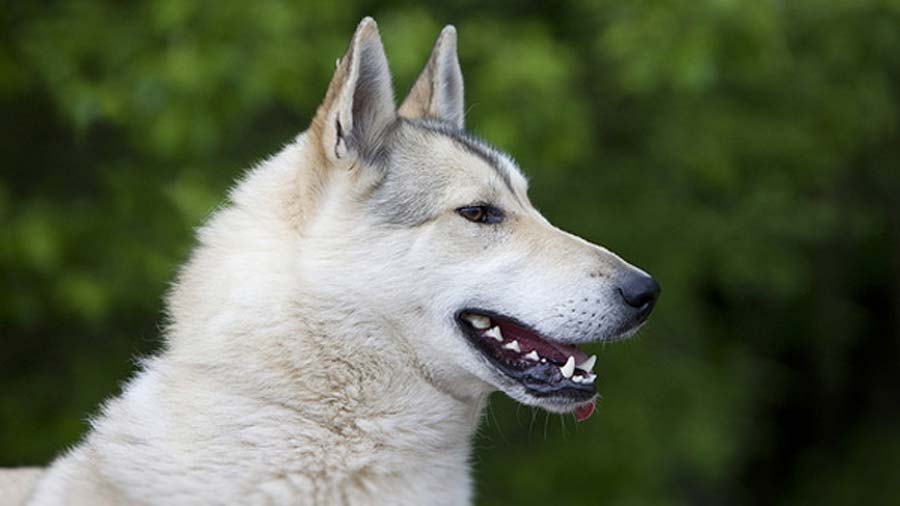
545 368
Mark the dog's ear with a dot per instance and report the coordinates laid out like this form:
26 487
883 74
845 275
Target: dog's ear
438 92
359 104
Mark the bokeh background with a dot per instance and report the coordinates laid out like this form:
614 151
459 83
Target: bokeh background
747 153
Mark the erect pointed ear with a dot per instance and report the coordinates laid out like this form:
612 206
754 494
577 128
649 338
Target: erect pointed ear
359 104
438 92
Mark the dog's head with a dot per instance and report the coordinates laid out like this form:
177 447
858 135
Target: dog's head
432 229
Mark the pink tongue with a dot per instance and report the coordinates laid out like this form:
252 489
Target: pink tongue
585 411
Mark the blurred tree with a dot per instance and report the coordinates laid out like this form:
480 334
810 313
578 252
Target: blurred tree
745 152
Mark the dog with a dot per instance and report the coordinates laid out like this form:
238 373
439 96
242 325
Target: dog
339 326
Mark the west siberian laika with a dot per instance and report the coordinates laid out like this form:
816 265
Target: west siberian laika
340 325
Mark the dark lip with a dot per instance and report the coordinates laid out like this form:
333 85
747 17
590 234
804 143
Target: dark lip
535 378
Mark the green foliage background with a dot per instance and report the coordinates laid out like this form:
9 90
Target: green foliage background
747 153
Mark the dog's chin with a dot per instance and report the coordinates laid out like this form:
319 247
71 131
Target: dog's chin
553 403
531 368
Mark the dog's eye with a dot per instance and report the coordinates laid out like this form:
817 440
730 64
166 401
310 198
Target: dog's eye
481 214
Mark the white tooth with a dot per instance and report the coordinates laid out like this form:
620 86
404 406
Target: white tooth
588 365
532 355
543 360
513 345
590 378
478 321
578 378
495 333
569 368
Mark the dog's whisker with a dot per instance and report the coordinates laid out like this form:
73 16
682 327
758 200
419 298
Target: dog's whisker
531 425
497 422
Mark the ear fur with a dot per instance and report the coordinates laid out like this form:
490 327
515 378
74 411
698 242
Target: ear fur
438 92
359 104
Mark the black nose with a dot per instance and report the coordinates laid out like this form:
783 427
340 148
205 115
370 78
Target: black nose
640 292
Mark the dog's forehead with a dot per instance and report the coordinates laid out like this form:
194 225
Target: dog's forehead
431 167
450 153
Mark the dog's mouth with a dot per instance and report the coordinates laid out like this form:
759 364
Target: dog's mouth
546 368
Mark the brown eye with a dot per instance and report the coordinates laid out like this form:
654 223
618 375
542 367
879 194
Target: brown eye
481 214
476 213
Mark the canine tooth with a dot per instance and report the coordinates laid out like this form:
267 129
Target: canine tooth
588 365
578 378
495 333
513 345
590 378
478 321
569 368
543 360
532 355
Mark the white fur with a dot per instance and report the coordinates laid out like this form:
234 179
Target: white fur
270 393
311 356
